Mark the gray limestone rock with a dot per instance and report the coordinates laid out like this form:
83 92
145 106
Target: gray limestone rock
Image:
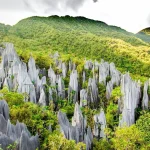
103 72
61 88
64 70
42 100
73 87
109 89
3 124
24 83
5 141
64 124
92 91
9 133
52 76
28 143
88 65
100 125
84 76
4 110
115 74
79 121
76 131
145 101
32 71
130 100
83 98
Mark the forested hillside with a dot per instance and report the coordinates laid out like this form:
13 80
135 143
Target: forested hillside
84 38
70 104
64 85
146 31
144 35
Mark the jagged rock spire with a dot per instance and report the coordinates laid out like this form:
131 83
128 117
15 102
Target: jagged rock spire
9 133
32 71
73 87
76 131
145 101
61 88
4 110
103 72
92 91
130 99
52 76
100 124
83 98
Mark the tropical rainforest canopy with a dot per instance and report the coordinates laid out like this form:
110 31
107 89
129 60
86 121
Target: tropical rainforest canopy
80 43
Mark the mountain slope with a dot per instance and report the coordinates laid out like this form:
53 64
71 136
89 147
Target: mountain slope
144 35
146 31
84 38
3 30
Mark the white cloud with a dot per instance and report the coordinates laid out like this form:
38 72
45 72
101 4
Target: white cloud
131 15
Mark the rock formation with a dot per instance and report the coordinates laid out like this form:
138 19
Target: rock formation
145 102
73 87
100 125
130 100
11 134
43 86
76 131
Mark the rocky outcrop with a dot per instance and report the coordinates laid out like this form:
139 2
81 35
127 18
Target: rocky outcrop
115 80
73 87
103 72
63 82
4 110
88 65
83 98
130 100
61 88
11 134
145 101
76 131
92 91
100 125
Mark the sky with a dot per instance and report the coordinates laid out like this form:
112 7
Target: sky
131 15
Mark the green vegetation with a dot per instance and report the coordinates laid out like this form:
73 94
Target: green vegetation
128 138
81 37
116 93
146 31
143 124
144 35
58 142
75 39
125 138
38 119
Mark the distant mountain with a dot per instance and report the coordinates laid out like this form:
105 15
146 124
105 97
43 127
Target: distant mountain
144 35
146 31
82 37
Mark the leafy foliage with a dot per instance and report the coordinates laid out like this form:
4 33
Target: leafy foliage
101 144
128 138
38 119
83 38
143 124
57 141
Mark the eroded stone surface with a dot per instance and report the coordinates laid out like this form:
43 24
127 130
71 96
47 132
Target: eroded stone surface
130 99
9 133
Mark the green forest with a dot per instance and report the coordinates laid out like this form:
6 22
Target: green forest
78 39
83 38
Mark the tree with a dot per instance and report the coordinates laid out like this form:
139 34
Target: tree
128 138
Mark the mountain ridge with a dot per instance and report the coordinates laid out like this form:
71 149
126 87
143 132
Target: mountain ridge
83 37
